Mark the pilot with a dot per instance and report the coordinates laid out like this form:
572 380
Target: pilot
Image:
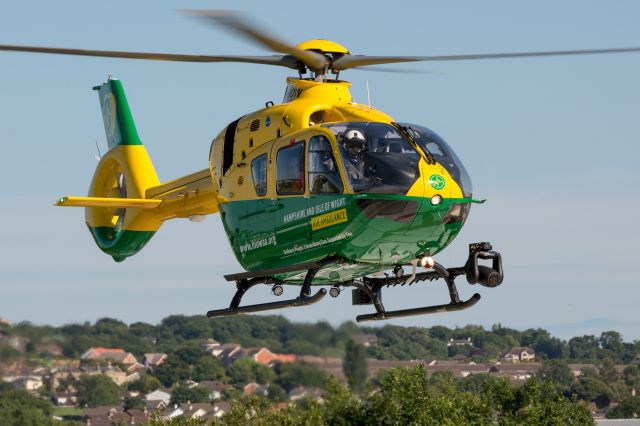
354 143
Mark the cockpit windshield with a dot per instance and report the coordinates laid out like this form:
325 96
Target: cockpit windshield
376 157
430 141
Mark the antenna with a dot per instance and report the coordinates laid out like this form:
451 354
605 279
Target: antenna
99 156
368 94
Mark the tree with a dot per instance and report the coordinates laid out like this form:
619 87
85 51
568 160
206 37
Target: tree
110 327
172 371
632 377
8 353
585 348
247 370
551 348
354 365
94 391
293 374
189 355
133 403
242 371
627 409
592 389
208 368
264 374
276 393
612 342
475 383
440 332
608 372
183 394
558 371
145 384
18 408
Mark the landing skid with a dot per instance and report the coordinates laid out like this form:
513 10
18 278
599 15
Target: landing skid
371 288
244 281
368 290
436 309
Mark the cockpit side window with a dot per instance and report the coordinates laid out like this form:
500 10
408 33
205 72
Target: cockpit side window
290 170
324 177
376 157
259 174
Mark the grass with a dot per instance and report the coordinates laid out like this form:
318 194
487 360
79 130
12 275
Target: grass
67 411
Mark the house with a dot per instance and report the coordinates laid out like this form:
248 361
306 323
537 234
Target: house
301 392
514 372
17 342
108 416
4 321
109 354
228 353
154 359
100 415
254 388
210 345
50 348
155 406
215 388
65 399
189 383
519 354
135 368
30 383
460 342
460 359
159 395
171 412
265 357
579 369
199 411
365 339
111 371
221 407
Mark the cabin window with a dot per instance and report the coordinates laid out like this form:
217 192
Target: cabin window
290 170
259 174
324 177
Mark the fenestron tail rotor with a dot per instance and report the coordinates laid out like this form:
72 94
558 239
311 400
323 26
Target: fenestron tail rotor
320 56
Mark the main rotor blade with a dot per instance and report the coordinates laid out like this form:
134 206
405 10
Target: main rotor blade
395 70
313 60
353 61
279 60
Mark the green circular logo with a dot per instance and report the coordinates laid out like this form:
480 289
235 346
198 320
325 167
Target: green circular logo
436 181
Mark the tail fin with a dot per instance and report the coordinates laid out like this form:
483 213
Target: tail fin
126 203
125 171
118 121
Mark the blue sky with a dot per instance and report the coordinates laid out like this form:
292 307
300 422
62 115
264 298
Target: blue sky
552 143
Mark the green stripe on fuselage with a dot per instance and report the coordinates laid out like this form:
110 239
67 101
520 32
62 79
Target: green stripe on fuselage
120 244
379 231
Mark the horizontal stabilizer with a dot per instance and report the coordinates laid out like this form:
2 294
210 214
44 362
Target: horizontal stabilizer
117 203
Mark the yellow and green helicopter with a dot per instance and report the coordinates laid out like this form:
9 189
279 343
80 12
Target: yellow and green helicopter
315 191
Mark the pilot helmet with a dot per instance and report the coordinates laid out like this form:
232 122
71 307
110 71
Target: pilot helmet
354 141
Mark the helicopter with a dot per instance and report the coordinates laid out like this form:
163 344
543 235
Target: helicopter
316 191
